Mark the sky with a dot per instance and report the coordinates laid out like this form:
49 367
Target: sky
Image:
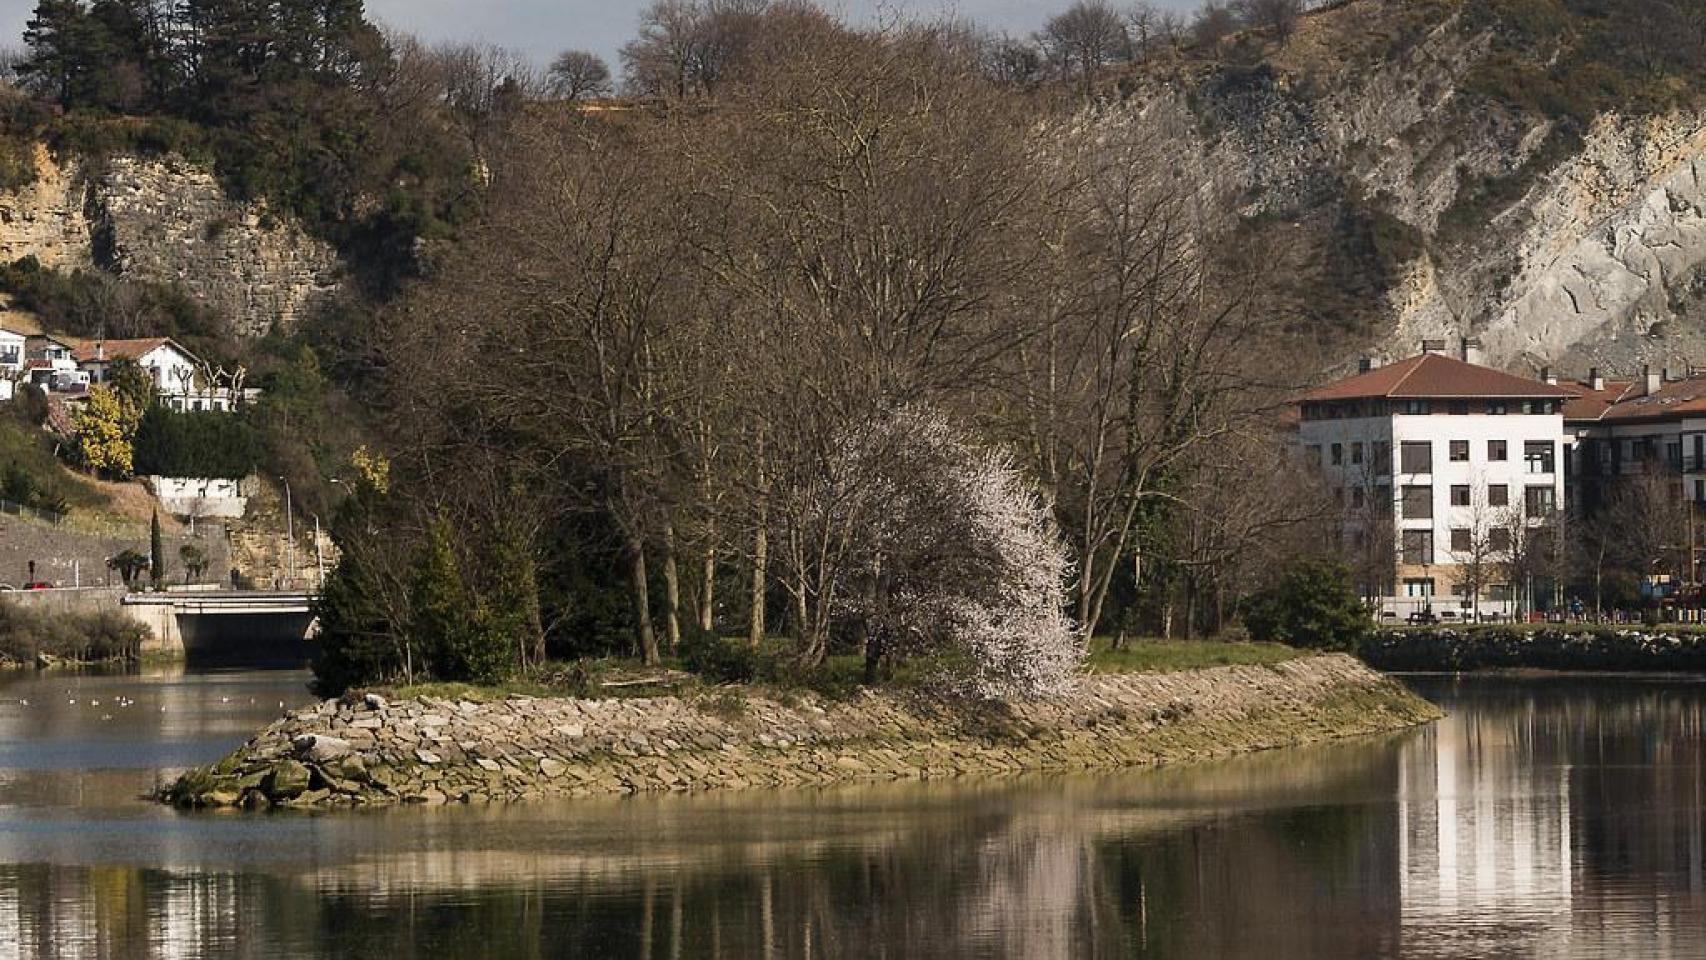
542 28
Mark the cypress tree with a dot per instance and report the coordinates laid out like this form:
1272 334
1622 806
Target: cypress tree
156 552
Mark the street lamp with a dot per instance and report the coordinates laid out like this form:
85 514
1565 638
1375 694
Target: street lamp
289 527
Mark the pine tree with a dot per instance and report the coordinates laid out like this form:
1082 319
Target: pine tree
55 35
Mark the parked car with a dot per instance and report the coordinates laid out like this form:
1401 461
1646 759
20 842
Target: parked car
38 585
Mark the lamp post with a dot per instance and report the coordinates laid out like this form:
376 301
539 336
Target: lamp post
289 528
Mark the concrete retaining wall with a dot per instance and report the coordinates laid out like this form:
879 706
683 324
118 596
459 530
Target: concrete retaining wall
436 751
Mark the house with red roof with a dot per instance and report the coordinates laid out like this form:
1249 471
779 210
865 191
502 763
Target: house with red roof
1443 468
1653 424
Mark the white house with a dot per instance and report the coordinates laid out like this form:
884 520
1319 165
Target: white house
50 364
1433 459
11 362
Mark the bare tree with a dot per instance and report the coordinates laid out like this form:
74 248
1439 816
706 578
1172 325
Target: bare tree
1480 548
579 75
1084 38
1276 16
1213 23
1145 358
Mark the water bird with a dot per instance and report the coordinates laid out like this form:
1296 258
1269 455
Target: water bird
224 699
71 700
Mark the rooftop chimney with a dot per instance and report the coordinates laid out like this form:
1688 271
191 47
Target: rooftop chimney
1469 350
1433 346
1596 382
1367 362
1548 377
1654 379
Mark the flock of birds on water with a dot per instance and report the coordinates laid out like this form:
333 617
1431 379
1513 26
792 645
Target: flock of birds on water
121 701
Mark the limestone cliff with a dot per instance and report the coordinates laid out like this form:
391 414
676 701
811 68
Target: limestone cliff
167 220
1554 247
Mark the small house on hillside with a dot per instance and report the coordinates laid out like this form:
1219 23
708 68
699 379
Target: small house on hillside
50 364
180 378
11 362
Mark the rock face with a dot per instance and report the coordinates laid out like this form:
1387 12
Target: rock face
1553 250
429 750
168 221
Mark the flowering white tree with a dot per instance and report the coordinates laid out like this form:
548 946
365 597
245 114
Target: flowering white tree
954 558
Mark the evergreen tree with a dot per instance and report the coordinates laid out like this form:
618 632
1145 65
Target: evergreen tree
513 598
457 631
57 36
156 552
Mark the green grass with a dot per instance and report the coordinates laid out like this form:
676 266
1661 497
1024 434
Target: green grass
1171 656
839 676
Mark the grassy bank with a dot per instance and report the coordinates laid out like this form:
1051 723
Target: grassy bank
837 678
27 636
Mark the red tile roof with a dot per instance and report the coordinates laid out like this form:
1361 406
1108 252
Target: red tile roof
1678 398
1435 376
1592 405
118 349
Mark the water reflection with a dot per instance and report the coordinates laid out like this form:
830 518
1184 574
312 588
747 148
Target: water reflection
1544 818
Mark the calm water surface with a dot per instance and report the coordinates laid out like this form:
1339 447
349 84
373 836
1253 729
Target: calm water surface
1545 818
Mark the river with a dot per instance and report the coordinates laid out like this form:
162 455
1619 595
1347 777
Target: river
1546 817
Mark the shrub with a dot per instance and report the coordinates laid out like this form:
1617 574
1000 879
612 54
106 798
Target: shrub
103 635
718 660
1315 605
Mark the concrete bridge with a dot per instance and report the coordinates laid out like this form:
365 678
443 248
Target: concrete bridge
227 626
202 626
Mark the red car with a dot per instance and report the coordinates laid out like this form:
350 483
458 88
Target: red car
38 585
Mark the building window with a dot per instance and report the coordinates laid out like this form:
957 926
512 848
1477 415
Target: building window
1419 588
1538 501
1499 540
1382 457
1499 593
1460 494
1459 451
1312 454
1496 450
1498 495
1358 497
1418 547
1338 454
1356 453
1673 454
1497 408
1418 503
1460 408
1416 457
1459 540
1417 407
1538 454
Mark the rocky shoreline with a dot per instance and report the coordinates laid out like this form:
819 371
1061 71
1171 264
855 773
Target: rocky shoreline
369 751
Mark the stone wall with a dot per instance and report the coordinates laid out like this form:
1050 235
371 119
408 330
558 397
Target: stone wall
429 750
1575 647
66 557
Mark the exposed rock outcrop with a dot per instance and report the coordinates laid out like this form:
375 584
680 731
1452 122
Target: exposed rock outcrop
1554 249
167 220
428 750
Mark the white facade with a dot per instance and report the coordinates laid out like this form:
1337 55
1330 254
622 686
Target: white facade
200 496
11 362
171 370
1447 479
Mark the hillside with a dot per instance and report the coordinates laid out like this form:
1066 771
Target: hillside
1457 170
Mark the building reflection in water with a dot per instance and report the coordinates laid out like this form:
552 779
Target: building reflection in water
1543 818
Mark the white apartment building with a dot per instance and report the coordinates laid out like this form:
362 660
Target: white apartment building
1438 463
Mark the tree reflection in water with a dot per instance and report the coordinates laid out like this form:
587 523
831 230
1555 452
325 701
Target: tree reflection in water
1555 816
